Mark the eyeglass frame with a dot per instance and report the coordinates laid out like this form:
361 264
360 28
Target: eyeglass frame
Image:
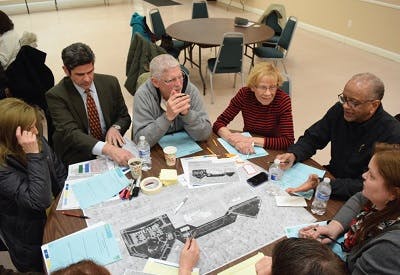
351 102
264 89
173 80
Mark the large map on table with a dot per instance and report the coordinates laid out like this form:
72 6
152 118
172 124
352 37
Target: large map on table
230 221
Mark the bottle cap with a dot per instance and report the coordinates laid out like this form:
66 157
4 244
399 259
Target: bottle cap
277 161
142 138
327 180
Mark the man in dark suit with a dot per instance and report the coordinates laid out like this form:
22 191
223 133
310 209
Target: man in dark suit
88 110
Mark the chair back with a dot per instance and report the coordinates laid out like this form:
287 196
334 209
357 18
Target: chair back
230 54
272 21
287 33
286 85
200 9
157 23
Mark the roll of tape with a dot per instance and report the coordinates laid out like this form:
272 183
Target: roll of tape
150 185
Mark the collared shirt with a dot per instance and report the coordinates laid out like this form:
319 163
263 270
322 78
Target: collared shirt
98 148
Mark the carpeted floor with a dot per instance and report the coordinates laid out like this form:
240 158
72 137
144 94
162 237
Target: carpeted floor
159 3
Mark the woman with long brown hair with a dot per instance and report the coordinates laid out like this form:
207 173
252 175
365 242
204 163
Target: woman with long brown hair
30 176
371 218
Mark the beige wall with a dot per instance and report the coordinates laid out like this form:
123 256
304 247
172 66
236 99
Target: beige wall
370 23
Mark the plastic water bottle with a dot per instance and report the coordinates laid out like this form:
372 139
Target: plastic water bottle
144 153
275 172
322 194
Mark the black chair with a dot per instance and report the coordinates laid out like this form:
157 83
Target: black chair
228 60
160 33
199 9
282 48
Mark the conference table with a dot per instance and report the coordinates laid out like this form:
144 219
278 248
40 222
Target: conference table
59 225
208 32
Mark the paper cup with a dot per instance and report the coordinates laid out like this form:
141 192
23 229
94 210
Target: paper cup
135 164
170 155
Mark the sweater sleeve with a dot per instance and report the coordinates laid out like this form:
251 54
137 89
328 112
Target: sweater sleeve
316 137
285 131
196 123
230 112
350 210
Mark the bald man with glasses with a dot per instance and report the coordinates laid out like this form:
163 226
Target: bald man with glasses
168 102
352 126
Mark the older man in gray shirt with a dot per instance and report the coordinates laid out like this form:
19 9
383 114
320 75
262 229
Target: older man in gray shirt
168 102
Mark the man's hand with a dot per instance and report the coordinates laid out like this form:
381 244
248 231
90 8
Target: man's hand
27 140
264 266
177 103
287 160
189 256
119 155
114 137
309 184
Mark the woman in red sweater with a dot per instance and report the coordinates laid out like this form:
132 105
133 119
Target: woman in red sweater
266 111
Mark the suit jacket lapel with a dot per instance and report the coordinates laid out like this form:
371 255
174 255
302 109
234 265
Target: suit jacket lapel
77 103
102 94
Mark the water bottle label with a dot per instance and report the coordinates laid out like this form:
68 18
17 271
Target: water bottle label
274 177
322 197
144 153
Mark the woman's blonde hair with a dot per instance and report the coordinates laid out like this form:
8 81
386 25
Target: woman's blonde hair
13 113
263 69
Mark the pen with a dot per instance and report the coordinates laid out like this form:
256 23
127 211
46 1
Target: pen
211 151
180 205
215 143
74 215
191 237
136 189
270 162
252 146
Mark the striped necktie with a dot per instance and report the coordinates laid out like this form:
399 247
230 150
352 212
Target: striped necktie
93 117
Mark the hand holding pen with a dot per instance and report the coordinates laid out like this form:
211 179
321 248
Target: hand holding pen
287 160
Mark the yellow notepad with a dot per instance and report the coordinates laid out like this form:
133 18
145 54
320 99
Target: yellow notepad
155 266
247 267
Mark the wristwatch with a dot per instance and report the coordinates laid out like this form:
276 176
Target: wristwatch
116 127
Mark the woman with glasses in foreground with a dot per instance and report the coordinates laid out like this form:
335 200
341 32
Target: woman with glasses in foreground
266 111
30 175
371 218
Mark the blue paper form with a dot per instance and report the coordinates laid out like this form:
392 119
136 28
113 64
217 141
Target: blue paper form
99 188
297 175
184 144
259 151
96 243
293 232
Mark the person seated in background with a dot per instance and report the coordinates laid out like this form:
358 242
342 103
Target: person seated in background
187 261
88 110
301 257
168 102
371 218
30 176
266 111
10 44
352 126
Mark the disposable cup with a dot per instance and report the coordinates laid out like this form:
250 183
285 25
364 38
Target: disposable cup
135 164
170 155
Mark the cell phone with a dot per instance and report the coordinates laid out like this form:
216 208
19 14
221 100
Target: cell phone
258 179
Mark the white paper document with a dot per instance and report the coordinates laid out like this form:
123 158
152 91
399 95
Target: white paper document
293 201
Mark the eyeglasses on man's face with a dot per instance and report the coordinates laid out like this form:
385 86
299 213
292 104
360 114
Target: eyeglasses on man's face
272 88
174 80
352 103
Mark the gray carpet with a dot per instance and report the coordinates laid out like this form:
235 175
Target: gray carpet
159 3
